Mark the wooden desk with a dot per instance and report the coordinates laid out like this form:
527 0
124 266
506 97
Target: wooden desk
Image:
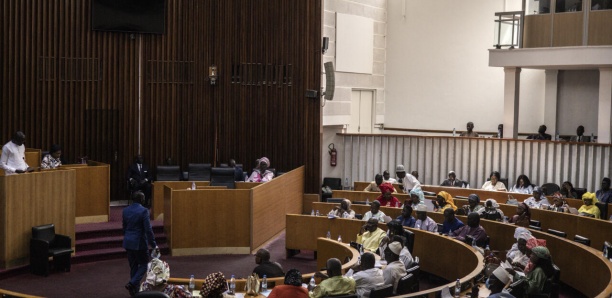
92 191
29 200
324 209
157 191
582 267
361 185
302 230
33 157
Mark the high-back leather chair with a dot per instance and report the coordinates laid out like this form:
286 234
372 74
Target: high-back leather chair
409 239
44 244
382 291
557 233
168 173
407 284
550 188
199 171
584 240
222 177
603 210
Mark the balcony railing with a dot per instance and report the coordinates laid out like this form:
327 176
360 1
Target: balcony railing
508 29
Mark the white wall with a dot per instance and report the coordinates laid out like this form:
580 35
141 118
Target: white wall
577 99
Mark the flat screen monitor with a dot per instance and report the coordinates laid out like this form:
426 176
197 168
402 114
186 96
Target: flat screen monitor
136 16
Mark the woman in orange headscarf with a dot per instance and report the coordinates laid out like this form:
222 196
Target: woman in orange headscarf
444 201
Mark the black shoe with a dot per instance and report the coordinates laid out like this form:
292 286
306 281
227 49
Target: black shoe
130 288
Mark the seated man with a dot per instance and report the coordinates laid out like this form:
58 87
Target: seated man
497 282
470 131
370 236
406 219
366 276
451 223
579 137
335 284
374 186
385 198
265 267
604 195
452 180
473 229
139 178
405 255
387 177
343 211
423 221
238 171
396 232
375 213
541 135
395 269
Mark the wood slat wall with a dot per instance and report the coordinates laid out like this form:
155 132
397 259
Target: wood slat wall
473 159
63 83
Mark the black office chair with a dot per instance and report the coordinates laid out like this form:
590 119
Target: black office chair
518 288
580 192
223 165
44 244
603 210
333 183
383 291
222 177
557 233
359 216
334 200
407 284
536 223
550 188
584 240
535 228
151 294
409 240
199 171
440 227
168 173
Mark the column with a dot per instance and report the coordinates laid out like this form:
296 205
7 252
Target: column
512 82
550 101
604 120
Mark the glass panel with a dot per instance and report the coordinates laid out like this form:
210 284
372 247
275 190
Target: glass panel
601 4
568 5
537 7
507 26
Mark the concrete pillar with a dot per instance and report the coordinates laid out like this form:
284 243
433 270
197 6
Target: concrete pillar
512 83
550 101
604 120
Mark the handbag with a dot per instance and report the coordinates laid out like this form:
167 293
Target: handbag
252 285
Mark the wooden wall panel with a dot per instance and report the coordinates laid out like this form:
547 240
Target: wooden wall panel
63 83
567 29
600 23
537 31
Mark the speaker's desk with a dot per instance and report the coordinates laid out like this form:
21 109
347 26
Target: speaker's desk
92 191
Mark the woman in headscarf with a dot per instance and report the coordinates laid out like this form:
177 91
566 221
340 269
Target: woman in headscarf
158 273
491 211
568 191
213 286
417 196
517 255
538 199
589 209
261 172
344 210
522 216
542 270
473 204
291 288
559 204
444 201
385 198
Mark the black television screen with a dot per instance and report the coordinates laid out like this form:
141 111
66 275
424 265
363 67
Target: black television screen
138 16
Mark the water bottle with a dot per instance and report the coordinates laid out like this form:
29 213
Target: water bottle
346 183
312 284
328 235
454 131
232 285
557 136
317 214
605 251
339 238
193 186
264 284
397 204
457 289
191 284
367 201
312 212
360 250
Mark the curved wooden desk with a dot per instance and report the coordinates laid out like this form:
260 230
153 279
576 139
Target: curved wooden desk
582 267
364 195
302 230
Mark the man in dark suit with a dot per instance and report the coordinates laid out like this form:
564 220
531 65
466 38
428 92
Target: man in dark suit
139 179
580 137
238 172
137 232
541 135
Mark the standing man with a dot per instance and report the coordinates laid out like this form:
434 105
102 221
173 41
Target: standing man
579 137
137 233
470 131
12 160
139 179
406 181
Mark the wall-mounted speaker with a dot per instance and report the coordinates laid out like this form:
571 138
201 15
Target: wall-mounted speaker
325 45
330 80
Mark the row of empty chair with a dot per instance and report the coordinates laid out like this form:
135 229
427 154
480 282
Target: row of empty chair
218 176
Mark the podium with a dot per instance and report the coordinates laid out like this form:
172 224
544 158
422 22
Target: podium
29 200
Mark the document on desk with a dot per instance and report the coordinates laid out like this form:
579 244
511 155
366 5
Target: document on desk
266 293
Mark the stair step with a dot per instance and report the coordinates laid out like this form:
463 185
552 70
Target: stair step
109 232
107 254
110 242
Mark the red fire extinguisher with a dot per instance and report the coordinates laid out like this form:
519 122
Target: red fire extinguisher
333 153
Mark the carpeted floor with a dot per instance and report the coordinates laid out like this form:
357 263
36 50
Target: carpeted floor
107 278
